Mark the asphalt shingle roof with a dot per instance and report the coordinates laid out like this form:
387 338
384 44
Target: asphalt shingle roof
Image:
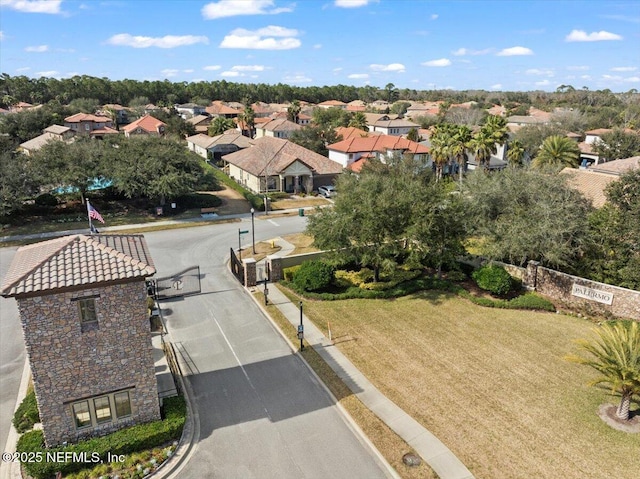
77 260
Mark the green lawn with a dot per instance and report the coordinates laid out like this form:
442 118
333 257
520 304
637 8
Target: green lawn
491 384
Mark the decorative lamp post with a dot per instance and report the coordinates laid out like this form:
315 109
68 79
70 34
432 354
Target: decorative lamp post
253 231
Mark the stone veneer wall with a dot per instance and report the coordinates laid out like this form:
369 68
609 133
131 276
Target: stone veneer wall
557 285
68 365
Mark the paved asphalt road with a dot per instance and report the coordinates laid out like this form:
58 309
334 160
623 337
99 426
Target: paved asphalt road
262 413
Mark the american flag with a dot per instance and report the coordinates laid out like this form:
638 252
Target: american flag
93 213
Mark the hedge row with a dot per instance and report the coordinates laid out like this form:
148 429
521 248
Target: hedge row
125 441
27 413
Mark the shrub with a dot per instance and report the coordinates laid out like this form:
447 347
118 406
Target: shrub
456 276
27 413
197 200
46 199
125 441
494 279
290 272
314 275
531 301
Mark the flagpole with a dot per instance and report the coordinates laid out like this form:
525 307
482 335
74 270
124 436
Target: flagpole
89 216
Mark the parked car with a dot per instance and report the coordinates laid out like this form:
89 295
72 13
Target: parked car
328 191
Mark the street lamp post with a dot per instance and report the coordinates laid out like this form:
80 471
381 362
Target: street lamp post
253 231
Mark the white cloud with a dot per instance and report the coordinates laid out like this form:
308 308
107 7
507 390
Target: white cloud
578 68
391 67
434 16
212 67
465 51
37 49
230 73
262 39
632 79
337 69
543 83
442 62
514 51
299 78
169 72
232 8
317 46
168 41
582 36
351 3
624 69
49 73
358 76
33 6
188 70
497 86
539 72
1 35
585 77
23 69
248 68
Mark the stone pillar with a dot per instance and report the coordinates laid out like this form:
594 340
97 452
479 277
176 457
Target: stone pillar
275 267
530 280
249 272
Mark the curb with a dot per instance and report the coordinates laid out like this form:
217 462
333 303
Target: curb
345 414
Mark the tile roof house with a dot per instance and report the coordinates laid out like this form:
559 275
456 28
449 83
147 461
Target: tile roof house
94 125
382 147
201 123
332 104
277 128
187 110
146 125
274 164
393 127
217 108
592 181
53 132
215 147
83 309
346 132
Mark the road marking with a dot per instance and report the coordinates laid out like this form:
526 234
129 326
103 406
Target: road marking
273 223
244 371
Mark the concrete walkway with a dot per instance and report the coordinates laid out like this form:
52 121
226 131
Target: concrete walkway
429 447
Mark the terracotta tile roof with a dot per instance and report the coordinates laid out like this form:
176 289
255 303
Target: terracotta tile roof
147 123
357 165
104 131
356 108
598 131
590 183
79 117
271 156
396 123
618 167
380 144
77 260
347 132
332 103
230 137
219 108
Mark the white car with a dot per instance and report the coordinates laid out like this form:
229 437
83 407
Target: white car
327 191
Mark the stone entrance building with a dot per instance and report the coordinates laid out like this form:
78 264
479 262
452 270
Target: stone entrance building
82 304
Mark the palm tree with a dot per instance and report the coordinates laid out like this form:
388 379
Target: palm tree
557 152
219 125
248 117
496 127
359 120
293 112
483 145
515 152
458 144
615 354
440 149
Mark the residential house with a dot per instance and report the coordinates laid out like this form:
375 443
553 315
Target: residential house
380 105
201 123
593 181
21 106
274 164
515 122
303 120
119 112
87 124
217 108
382 147
332 104
53 132
346 132
188 110
395 127
214 148
588 154
261 110
277 128
83 308
356 105
420 109
146 125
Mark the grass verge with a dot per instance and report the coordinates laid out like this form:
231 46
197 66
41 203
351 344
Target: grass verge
390 445
492 384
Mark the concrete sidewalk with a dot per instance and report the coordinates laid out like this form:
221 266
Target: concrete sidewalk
429 447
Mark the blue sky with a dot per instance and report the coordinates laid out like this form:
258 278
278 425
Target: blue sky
491 45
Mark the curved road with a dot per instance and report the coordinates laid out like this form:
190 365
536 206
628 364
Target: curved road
261 412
